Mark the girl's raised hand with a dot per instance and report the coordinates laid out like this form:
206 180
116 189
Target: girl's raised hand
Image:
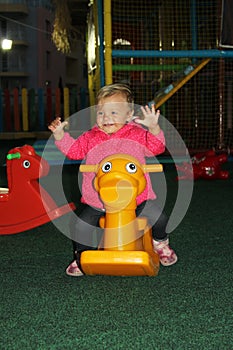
57 128
151 118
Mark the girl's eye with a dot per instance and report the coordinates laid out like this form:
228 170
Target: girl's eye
131 168
106 167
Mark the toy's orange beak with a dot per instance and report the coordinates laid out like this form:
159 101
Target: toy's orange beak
116 192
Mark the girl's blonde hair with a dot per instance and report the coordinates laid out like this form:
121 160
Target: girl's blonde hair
114 89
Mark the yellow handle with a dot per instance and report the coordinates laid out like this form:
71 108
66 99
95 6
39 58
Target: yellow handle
147 168
88 168
152 168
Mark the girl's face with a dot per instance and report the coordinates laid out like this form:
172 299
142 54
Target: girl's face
113 113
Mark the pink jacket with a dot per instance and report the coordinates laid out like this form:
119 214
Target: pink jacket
95 144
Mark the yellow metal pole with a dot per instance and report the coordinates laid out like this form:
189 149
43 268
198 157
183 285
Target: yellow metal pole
108 41
182 82
91 89
25 109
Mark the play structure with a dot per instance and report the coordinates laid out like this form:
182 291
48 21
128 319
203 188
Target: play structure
126 248
169 54
25 204
174 55
205 165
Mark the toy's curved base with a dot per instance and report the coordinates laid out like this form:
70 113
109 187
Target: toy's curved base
119 263
13 228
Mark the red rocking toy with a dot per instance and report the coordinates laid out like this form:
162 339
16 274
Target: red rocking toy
21 204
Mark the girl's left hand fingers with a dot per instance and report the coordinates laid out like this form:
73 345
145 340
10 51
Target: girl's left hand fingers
153 109
150 109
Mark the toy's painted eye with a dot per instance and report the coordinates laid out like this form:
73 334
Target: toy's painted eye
131 168
107 167
26 164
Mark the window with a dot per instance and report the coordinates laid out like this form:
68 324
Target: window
48 60
48 29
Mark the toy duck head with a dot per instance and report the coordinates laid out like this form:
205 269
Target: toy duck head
120 178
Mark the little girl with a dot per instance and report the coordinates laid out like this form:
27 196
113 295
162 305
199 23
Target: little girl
116 131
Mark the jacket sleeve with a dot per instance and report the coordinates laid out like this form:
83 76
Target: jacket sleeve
73 148
155 143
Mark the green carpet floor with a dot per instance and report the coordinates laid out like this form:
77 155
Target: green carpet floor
187 306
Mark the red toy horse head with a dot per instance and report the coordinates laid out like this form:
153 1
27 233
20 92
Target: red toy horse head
28 166
26 204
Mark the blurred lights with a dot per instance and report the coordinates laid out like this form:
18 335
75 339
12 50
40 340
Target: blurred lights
6 44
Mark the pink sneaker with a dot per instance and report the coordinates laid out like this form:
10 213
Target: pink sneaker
167 256
73 270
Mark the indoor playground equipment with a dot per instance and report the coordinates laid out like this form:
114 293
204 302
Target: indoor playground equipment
126 248
205 165
170 54
25 204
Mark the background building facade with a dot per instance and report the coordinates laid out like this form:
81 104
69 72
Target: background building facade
34 61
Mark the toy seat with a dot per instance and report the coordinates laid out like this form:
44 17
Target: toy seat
127 248
119 263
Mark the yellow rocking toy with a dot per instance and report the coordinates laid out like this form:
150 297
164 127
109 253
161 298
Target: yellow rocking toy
127 242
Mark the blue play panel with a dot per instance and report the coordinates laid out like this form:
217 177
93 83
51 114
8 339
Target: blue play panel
48 150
